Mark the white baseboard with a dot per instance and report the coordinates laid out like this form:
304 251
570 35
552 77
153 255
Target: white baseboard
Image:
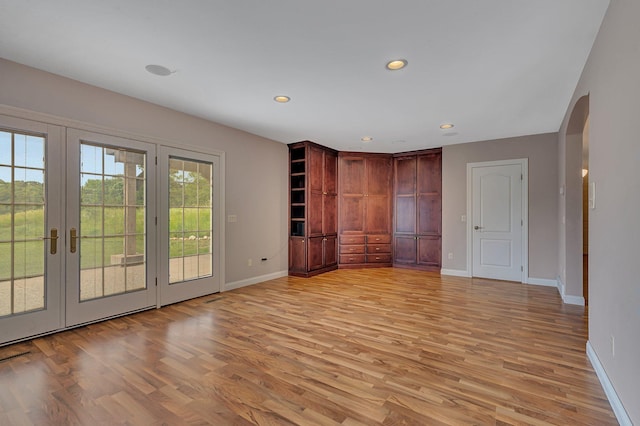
455 273
542 281
573 300
254 280
607 386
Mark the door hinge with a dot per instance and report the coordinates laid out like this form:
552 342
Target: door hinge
521 178
521 268
521 222
156 160
156 281
156 220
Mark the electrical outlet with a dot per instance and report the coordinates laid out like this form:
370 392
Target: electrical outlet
250 262
450 256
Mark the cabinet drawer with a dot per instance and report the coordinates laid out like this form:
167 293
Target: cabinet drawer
379 239
379 258
351 239
351 249
378 248
353 258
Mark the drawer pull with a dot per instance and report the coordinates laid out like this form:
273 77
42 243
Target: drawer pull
377 248
377 258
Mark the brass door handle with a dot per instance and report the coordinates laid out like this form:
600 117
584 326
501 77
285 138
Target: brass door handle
73 238
53 238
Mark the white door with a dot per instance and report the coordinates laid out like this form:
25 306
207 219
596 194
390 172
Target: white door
110 253
31 228
189 225
498 221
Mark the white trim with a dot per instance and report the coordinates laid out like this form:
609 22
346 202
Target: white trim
573 300
567 298
455 273
542 281
524 163
607 386
254 280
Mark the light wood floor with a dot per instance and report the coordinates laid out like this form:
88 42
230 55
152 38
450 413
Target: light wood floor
351 347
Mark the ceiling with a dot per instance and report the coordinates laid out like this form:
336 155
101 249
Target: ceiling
493 68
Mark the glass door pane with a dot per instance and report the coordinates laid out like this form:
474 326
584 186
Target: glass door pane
112 221
188 225
109 205
30 267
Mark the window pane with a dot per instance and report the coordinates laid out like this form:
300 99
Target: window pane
112 209
5 149
5 261
114 218
190 192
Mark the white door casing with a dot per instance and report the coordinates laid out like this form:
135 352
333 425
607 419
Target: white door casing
497 228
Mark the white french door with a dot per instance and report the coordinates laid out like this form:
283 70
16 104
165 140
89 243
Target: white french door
81 236
31 228
110 226
188 224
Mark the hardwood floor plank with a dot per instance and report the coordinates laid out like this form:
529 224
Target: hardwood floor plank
349 347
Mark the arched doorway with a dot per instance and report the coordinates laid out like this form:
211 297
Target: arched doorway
574 210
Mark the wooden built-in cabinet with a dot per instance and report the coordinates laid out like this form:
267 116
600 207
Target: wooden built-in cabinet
364 209
313 230
417 233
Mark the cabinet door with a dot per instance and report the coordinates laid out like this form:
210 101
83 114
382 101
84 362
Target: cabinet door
330 183
429 186
330 251
316 169
329 214
351 177
315 213
405 249
429 251
429 214
377 195
330 194
297 255
405 195
315 253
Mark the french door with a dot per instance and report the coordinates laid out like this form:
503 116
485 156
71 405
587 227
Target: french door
85 235
110 226
31 228
188 224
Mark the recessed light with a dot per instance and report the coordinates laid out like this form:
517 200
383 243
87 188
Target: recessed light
446 126
282 99
396 64
366 139
158 70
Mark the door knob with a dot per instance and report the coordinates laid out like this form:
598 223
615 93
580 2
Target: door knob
477 227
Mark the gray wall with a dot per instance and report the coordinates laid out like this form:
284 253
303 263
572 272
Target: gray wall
256 168
611 78
542 152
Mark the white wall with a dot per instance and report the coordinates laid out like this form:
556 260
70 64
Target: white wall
256 168
611 78
542 152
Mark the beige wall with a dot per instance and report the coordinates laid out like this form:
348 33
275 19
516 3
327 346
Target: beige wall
542 152
256 168
611 79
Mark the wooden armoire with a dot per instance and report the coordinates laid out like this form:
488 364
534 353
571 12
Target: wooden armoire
417 224
364 206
